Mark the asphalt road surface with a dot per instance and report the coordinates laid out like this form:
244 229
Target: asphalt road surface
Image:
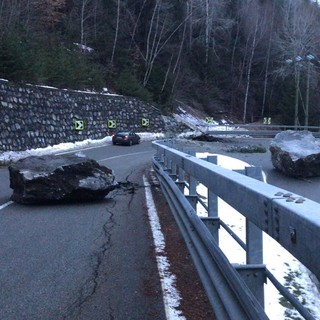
82 261
95 261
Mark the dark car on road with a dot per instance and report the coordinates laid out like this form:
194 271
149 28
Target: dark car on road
125 137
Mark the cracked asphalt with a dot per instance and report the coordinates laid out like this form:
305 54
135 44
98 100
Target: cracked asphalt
95 261
82 261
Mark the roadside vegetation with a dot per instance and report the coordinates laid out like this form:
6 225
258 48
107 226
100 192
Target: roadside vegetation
247 149
245 59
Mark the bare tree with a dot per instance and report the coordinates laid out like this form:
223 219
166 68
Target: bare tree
116 33
83 19
136 22
208 28
251 17
87 13
251 55
160 32
266 74
298 39
12 12
190 22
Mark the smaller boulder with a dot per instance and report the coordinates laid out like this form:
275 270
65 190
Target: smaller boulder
208 138
64 178
296 153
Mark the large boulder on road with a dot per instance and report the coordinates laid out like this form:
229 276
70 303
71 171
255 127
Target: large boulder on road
296 153
64 178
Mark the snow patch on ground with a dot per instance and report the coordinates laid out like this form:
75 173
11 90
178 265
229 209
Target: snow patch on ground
195 123
9 156
171 296
287 269
203 125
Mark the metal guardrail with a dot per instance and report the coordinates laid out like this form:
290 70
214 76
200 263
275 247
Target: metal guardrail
261 130
236 292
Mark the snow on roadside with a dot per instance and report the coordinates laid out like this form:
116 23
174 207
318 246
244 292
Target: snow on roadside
9 156
287 269
200 125
195 123
171 296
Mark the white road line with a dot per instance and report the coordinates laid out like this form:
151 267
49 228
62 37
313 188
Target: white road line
77 150
6 204
123 155
171 296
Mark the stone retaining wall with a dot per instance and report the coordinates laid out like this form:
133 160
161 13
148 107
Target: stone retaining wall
34 116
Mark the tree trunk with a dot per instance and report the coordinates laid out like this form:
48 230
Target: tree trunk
249 73
268 61
207 32
116 34
82 21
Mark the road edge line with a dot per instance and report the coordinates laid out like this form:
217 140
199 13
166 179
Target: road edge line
170 294
5 205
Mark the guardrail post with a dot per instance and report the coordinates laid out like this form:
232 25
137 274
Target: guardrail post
253 233
180 183
192 181
168 165
161 158
254 272
212 198
173 170
213 221
193 196
180 174
192 186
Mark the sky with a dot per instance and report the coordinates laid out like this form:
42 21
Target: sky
279 261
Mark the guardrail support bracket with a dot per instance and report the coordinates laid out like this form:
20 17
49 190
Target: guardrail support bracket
180 185
213 225
193 201
255 277
173 176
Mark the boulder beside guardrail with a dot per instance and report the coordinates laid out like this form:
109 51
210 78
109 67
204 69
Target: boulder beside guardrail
290 220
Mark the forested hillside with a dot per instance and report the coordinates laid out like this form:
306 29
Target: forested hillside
244 58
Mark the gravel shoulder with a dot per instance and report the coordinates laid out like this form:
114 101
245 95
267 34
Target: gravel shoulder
194 302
